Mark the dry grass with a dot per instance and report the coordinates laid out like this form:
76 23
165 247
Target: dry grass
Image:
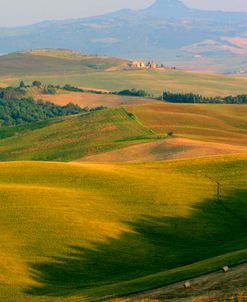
91 99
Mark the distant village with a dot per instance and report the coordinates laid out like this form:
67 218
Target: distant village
148 65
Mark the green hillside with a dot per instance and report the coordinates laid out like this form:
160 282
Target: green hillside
68 138
77 232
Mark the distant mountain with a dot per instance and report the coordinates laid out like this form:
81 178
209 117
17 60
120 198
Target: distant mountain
168 31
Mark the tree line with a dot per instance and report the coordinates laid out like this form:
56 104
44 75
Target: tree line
132 92
174 97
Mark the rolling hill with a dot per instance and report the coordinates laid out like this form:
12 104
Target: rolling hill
167 149
168 30
215 123
197 131
79 232
135 132
60 67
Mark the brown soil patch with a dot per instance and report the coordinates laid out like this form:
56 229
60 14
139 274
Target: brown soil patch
172 148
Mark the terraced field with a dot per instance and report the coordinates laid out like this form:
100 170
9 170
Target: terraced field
77 232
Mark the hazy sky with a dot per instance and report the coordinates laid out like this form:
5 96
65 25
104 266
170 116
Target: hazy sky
20 12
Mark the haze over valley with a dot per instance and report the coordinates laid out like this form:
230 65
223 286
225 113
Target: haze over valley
168 31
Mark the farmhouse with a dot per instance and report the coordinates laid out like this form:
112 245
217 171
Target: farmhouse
138 64
141 64
152 65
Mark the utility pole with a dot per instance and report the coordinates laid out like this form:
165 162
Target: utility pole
218 193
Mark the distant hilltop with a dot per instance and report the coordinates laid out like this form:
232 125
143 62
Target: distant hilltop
168 31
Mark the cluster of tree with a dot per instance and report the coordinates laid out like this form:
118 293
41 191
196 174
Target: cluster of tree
69 87
49 90
199 99
46 89
26 110
132 92
22 90
126 92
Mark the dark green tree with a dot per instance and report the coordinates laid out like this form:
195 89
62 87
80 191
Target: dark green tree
22 84
37 84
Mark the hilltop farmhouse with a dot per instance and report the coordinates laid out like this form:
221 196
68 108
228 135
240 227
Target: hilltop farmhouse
138 64
148 65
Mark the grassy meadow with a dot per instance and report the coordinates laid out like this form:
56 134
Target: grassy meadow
79 232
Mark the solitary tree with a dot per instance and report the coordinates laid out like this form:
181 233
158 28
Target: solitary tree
22 84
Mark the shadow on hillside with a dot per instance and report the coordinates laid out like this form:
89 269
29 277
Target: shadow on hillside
213 228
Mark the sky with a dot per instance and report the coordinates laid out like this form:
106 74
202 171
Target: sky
22 12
